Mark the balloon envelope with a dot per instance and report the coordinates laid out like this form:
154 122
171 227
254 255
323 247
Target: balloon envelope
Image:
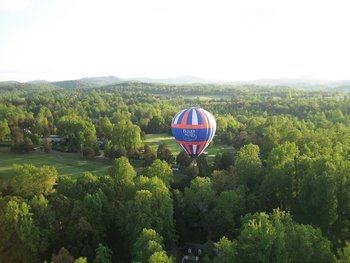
193 129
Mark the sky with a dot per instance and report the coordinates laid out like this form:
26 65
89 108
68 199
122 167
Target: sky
212 39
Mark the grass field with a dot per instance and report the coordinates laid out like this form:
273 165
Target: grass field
155 139
71 164
66 163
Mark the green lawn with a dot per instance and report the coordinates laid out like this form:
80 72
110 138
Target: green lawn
155 139
70 164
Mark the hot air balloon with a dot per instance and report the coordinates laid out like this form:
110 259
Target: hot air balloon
193 129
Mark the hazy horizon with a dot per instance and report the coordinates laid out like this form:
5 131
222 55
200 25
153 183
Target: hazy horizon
160 39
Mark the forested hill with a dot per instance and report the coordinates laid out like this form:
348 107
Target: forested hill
93 82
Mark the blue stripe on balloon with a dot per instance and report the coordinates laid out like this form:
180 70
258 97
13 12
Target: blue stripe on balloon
189 117
191 148
200 119
181 117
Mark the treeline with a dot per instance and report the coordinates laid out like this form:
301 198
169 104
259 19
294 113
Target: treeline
282 197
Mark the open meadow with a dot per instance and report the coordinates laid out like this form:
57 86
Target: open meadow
67 164
72 164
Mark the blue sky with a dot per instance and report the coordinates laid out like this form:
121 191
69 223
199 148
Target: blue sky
221 39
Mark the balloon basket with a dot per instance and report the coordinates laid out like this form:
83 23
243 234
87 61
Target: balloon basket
194 162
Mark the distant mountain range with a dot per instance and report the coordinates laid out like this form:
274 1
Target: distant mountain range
187 79
303 82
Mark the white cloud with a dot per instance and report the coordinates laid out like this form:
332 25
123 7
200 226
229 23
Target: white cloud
8 5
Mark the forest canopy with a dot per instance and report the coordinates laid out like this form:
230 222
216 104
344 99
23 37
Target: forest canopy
282 194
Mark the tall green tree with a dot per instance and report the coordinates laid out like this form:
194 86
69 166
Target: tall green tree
151 207
122 171
281 184
277 238
77 132
225 251
248 166
318 192
20 236
103 254
224 217
4 129
126 135
162 170
160 257
149 155
199 200
29 180
148 242
163 153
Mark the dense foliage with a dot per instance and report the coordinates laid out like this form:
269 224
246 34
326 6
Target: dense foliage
283 196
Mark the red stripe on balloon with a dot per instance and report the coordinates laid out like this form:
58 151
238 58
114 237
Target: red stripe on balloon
204 117
187 147
201 148
184 119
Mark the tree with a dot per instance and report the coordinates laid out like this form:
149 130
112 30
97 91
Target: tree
43 123
160 257
63 256
223 161
281 184
192 172
4 130
225 251
151 207
277 238
306 244
162 170
163 153
122 171
95 208
224 217
104 128
183 159
20 237
77 132
257 241
156 125
148 242
199 199
30 180
47 145
23 144
127 135
43 216
103 254
344 254
318 191
203 166
248 166
227 159
81 260
222 181
123 175
149 155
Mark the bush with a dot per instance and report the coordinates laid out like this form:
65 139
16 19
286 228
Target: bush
88 152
